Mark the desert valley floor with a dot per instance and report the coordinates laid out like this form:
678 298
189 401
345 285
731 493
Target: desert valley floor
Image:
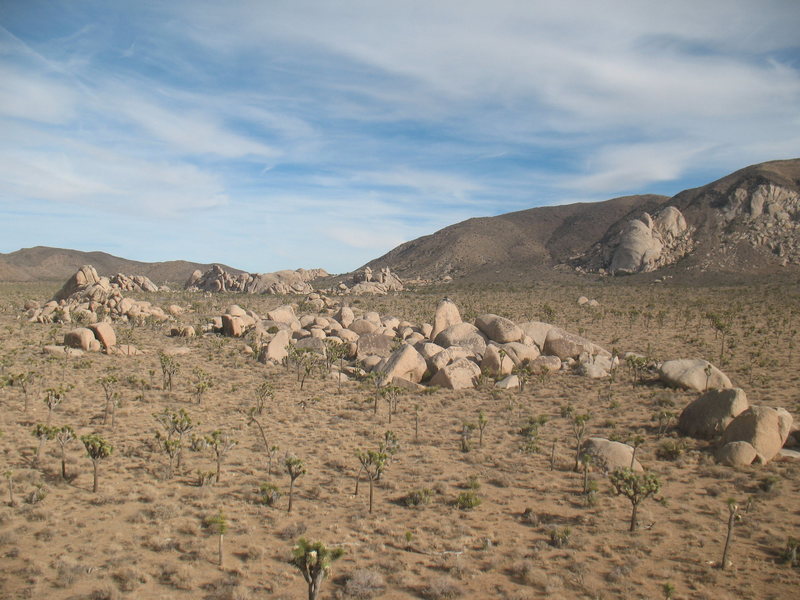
534 534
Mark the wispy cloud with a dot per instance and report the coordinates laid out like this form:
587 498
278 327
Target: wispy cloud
332 131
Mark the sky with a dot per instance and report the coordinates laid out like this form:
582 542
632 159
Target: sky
280 134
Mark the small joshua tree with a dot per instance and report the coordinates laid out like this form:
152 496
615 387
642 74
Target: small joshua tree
43 433
169 368
482 423
636 487
314 560
174 423
466 436
218 524
220 443
202 382
109 385
64 435
664 419
578 423
636 441
733 515
294 468
530 433
524 374
52 398
372 463
391 393
9 475
97 448
335 352
25 381
265 391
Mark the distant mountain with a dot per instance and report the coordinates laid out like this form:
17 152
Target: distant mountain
747 222
57 264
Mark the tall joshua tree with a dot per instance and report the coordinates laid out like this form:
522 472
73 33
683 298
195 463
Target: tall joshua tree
97 448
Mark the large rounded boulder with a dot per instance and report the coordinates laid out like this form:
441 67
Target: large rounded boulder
763 427
693 374
499 329
465 335
709 415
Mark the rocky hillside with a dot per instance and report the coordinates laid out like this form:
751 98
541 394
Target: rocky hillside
516 244
50 264
746 223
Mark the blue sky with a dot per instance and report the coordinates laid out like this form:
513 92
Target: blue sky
283 134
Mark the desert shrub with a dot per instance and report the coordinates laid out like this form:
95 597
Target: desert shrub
292 531
468 500
128 579
364 584
442 588
268 493
419 497
769 483
559 536
671 449
619 574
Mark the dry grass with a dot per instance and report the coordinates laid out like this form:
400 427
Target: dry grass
143 535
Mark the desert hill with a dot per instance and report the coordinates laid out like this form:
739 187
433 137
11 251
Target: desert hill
42 263
505 246
747 223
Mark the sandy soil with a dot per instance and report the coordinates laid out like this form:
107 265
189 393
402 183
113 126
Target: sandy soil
143 535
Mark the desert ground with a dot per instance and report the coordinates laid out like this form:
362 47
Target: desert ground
535 533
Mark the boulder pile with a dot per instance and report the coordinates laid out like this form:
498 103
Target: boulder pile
448 353
217 279
367 282
89 298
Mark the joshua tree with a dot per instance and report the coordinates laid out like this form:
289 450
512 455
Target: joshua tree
25 381
97 448
372 463
335 352
202 382
174 423
265 391
9 475
294 468
64 435
664 419
314 562
109 385
218 524
220 443
578 423
391 393
733 514
482 423
169 368
635 487
171 448
466 436
636 441
43 433
523 373
530 433
52 398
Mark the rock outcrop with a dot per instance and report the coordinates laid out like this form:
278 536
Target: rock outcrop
216 279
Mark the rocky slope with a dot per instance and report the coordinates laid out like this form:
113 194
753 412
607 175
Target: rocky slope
746 223
42 263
